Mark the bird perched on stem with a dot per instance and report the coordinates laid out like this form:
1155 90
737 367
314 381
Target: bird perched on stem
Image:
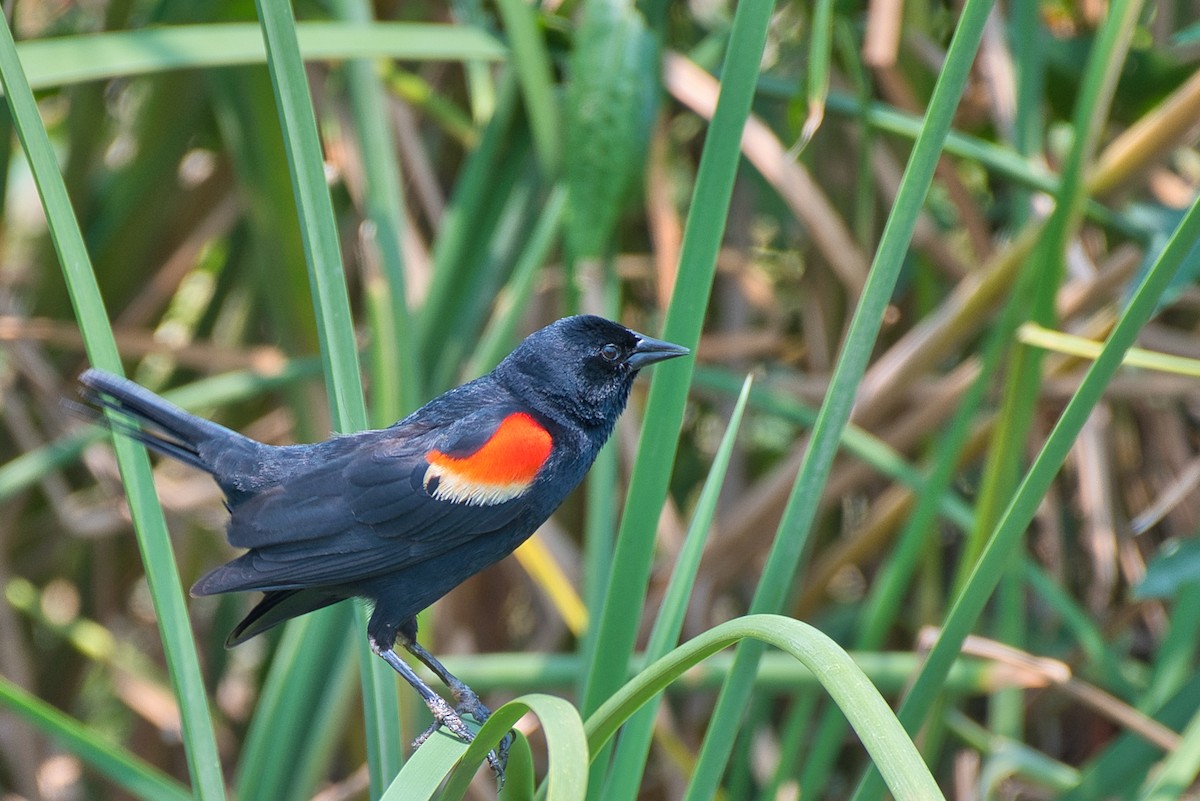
402 515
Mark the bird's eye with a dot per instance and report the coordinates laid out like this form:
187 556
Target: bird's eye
610 353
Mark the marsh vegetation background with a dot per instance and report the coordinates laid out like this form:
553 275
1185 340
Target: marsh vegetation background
484 168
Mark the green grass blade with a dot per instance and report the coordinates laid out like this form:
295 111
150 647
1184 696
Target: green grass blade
500 335
295 697
820 51
801 508
153 543
664 408
880 732
1042 275
629 761
444 760
616 629
484 184
566 746
99 56
1007 535
124 769
1179 770
385 214
317 226
511 211
531 61
335 324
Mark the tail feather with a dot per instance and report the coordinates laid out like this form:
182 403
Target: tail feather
164 427
279 606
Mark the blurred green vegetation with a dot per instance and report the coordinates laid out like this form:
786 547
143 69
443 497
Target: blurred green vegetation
888 248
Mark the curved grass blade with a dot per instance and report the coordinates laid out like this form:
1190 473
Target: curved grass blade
889 746
445 759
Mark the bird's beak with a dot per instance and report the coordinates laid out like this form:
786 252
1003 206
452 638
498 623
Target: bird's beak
649 351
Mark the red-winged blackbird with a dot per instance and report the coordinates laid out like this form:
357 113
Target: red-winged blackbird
403 515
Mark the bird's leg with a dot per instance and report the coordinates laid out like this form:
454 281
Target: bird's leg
442 713
466 701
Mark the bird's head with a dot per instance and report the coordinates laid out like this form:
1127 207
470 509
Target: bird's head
582 368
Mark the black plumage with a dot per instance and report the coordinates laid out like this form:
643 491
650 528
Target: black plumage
402 515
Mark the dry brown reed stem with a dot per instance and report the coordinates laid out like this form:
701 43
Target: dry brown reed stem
889 511
1171 123
696 89
666 229
206 357
971 304
881 41
1038 671
155 295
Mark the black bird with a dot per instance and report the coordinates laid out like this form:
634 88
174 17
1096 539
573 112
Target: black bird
402 515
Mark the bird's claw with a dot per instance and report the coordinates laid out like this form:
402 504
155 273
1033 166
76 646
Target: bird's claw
452 719
443 715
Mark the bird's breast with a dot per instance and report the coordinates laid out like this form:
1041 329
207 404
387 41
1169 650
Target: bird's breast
503 468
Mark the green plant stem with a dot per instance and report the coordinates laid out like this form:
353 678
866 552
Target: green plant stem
335 325
801 509
121 767
629 761
1016 518
162 575
97 56
632 560
908 777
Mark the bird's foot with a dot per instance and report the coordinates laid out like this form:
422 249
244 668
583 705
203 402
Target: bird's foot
468 703
443 715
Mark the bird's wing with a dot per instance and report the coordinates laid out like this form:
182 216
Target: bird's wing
380 501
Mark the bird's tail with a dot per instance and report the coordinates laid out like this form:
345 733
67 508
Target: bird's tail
276 607
163 426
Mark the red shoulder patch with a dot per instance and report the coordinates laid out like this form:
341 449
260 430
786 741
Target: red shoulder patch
503 468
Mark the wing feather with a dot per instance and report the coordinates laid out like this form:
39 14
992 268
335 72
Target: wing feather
360 509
